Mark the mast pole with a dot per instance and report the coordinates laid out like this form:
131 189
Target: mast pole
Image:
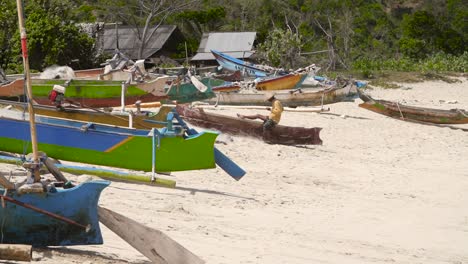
32 121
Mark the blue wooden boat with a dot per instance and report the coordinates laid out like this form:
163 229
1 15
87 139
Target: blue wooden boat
22 225
233 64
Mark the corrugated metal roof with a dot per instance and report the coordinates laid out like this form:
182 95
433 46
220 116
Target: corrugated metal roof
129 42
209 56
232 43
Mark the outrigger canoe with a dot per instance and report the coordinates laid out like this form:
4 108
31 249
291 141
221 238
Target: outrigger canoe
168 149
90 93
285 82
140 120
233 64
226 95
279 135
413 113
102 93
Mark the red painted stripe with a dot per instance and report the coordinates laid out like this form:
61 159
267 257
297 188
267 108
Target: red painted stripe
24 47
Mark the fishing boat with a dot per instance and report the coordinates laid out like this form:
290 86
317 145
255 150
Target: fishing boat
233 64
192 89
90 93
271 83
21 225
167 149
44 213
232 95
285 135
413 113
105 93
132 119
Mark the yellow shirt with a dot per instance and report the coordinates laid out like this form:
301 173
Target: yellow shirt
276 110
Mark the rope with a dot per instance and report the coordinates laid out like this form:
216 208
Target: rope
25 143
462 112
323 95
1 230
155 138
4 216
400 111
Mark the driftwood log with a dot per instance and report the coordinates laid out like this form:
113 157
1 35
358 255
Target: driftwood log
15 252
154 244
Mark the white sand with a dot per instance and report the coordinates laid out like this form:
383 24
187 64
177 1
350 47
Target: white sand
378 190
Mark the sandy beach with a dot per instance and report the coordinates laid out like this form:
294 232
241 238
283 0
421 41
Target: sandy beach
379 190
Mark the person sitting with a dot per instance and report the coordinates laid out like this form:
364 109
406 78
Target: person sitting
269 122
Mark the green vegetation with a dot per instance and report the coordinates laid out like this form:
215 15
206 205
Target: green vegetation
438 62
364 36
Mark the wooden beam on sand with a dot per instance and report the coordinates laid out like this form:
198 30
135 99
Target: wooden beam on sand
15 252
154 244
286 109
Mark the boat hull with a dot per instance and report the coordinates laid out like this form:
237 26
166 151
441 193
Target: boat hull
89 93
97 116
233 64
285 82
21 225
110 146
185 92
412 113
279 135
303 97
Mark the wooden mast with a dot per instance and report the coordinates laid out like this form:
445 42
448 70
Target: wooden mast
32 122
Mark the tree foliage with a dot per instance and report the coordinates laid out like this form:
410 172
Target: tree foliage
348 31
53 37
8 27
281 48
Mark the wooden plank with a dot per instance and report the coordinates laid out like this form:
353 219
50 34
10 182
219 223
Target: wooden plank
154 244
16 252
6 183
54 170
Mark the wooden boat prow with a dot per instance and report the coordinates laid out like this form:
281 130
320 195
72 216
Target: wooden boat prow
12 89
280 134
29 227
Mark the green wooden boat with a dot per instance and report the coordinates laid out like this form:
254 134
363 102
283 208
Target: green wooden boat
90 93
103 93
186 91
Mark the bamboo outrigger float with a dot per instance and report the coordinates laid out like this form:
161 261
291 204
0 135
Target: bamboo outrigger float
413 113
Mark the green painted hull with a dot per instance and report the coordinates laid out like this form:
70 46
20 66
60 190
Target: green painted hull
187 92
85 88
174 154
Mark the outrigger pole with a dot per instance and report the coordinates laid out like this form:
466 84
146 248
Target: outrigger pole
32 121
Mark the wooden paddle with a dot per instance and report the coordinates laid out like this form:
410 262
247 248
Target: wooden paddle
154 244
